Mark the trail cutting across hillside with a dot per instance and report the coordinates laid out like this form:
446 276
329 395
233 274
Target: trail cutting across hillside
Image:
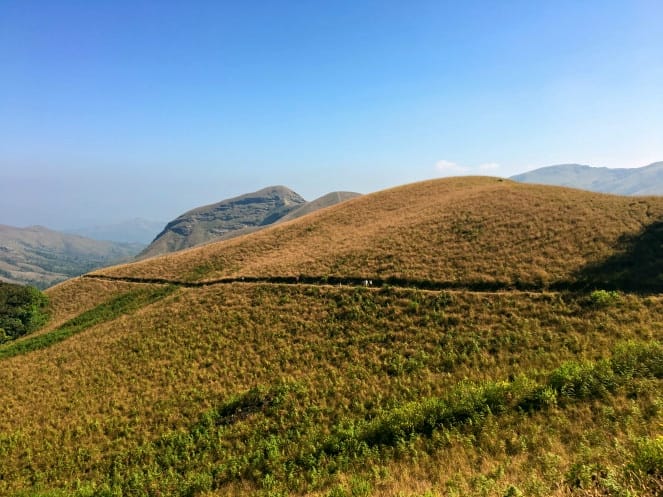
477 286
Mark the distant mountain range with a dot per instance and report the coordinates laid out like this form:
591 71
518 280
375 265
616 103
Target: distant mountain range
130 231
237 216
646 180
42 257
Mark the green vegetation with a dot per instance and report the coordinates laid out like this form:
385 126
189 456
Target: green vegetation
22 310
273 390
292 378
287 448
123 304
603 298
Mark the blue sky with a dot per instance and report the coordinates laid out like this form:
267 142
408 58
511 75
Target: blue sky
118 109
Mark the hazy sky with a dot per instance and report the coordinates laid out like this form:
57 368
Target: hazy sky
113 109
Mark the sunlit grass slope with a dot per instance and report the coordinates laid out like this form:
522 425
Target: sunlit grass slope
464 231
258 388
145 389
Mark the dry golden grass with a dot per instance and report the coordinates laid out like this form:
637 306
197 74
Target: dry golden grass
69 409
458 230
236 389
74 296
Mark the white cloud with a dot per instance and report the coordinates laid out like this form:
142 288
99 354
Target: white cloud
488 166
449 168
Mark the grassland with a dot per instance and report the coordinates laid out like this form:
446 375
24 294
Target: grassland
465 231
257 388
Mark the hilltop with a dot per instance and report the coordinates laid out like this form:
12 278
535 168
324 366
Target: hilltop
464 232
262 365
42 257
647 180
237 216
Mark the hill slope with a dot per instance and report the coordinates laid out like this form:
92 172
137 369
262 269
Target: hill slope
43 257
461 231
257 388
646 180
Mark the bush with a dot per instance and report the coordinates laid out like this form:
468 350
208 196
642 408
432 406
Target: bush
604 298
583 380
638 359
648 457
22 310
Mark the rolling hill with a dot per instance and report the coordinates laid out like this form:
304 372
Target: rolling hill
43 257
461 232
646 180
511 344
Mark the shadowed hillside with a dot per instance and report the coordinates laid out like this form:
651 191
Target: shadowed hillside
636 265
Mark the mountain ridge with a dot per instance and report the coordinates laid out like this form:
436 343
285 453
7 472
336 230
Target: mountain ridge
213 221
646 180
236 216
42 257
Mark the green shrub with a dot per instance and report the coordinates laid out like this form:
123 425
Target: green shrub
639 359
22 310
586 475
648 457
604 298
513 491
583 380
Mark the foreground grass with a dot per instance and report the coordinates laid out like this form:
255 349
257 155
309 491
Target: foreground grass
261 389
286 451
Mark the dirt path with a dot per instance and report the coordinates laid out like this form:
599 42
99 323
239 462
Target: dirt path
482 287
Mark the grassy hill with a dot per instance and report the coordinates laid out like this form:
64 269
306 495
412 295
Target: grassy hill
256 387
464 232
42 257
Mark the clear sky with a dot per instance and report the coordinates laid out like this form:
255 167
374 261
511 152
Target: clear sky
114 109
